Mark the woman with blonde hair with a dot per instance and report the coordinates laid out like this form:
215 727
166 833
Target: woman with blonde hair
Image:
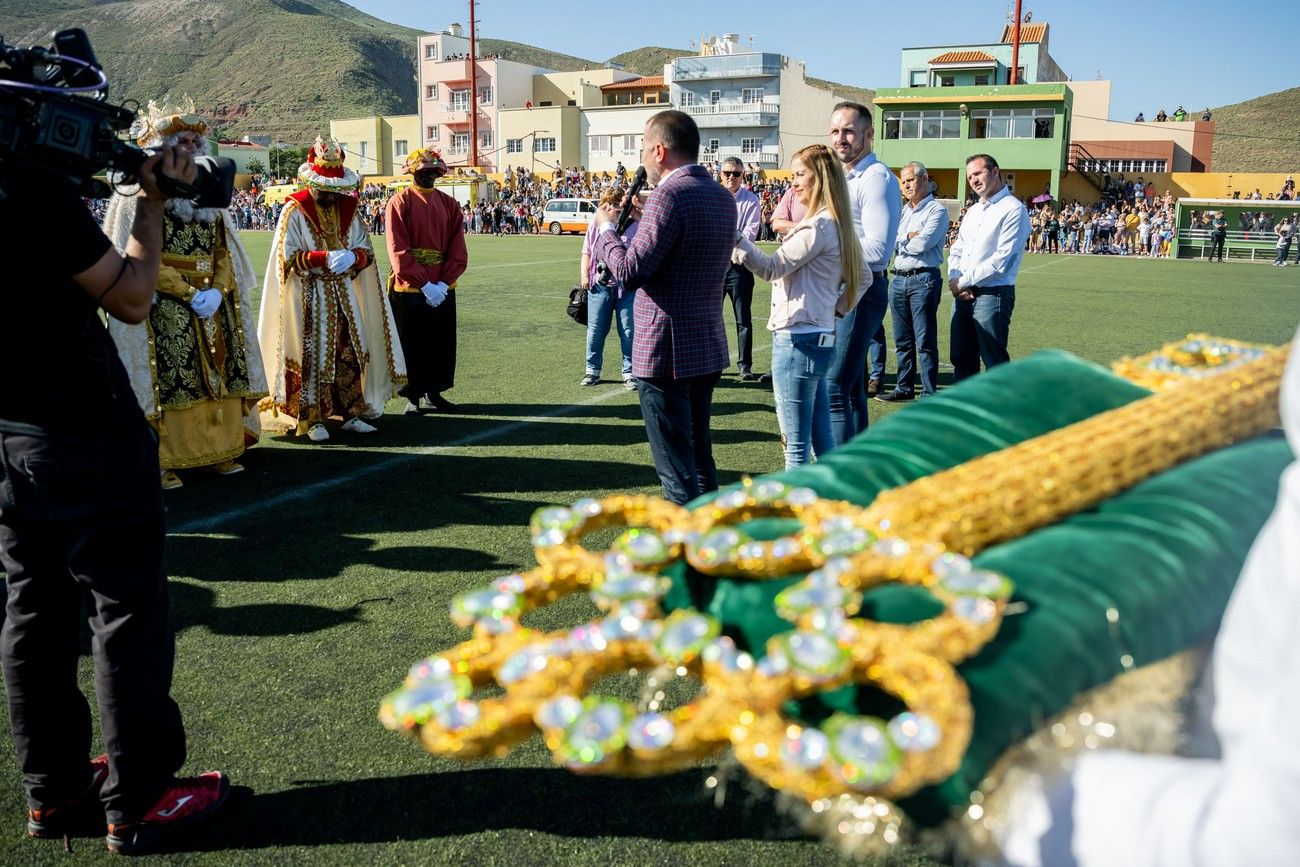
814 276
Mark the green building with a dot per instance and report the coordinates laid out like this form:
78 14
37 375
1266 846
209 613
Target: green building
954 101
1025 127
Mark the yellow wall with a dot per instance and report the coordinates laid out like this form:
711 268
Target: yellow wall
381 135
560 122
1195 185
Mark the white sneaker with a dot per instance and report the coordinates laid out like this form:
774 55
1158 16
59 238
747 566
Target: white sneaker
317 433
356 425
411 408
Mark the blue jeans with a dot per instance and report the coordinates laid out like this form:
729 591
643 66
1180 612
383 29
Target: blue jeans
602 304
845 380
1282 253
914 301
980 330
799 368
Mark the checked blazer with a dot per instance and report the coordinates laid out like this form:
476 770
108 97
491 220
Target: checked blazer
677 264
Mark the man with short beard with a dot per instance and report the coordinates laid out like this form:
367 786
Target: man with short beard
328 337
194 364
426 246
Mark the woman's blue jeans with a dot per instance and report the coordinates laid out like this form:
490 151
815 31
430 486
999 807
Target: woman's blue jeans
602 305
799 369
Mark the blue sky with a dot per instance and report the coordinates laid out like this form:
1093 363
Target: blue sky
1157 53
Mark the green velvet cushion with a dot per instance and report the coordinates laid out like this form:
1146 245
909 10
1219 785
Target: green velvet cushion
1164 554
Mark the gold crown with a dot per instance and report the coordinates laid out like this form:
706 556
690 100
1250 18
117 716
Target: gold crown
160 122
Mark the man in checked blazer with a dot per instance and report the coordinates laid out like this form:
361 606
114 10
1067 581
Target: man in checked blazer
676 263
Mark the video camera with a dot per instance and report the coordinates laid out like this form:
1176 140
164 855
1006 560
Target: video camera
54 113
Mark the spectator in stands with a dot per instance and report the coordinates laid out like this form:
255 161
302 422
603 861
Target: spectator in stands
1205 115
1218 236
1180 115
1161 117
1285 232
1141 118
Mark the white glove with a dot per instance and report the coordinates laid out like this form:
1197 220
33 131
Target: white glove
340 260
435 293
205 302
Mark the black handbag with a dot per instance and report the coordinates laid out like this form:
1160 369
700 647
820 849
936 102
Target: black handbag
577 308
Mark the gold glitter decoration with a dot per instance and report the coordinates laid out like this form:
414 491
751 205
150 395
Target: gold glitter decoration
921 534
1197 356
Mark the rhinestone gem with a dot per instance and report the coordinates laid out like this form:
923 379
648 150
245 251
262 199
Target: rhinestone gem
843 542
558 712
549 538
722 651
587 638
839 524
619 627
596 733
750 551
522 664
616 564
979 582
801 497
643 547
813 653
462 714
433 668
914 732
864 755
511 584
554 518
719 545
892 547
773 664
650 731
806 749
484 604
785 547
769 491
975 609
949 565
684 635
627 588
807 596
587 507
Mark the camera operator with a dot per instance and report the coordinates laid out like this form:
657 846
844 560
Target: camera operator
81 512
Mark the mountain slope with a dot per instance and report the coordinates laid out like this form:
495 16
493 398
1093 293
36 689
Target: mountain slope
1258 135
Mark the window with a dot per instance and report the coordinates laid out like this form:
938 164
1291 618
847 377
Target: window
598 145
431 133
431 51
1012 123
947 80
485 138
587 207
714 144
514 145
688 97
544 103
460 100
543 145
751 145
751 95
922 124
917 78
460 141
431 91
632 144
981 79
572 102
715 97
400 148
485 95
363 152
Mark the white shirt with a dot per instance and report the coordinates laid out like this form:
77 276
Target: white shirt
990 242
929 220
877 201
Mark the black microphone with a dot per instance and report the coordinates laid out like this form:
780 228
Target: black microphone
625 215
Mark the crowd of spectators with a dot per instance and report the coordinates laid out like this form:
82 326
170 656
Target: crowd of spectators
1178 116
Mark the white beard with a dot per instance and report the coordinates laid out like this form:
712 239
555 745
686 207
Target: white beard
186 210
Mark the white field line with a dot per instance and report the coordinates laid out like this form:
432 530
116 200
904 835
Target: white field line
208 523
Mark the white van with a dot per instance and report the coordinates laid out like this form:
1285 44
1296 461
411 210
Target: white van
568 215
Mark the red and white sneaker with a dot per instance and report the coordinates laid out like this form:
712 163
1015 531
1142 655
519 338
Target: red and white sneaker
185 801
60 821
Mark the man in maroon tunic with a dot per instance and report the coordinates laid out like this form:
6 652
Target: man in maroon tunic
426 246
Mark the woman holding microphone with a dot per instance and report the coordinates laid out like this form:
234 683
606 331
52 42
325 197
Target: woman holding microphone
814 276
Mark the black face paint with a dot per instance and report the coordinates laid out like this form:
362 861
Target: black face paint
426 178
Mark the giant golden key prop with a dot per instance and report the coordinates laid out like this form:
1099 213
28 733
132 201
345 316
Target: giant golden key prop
922 534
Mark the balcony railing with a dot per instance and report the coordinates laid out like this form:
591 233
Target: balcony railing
735 114
768 157
732 66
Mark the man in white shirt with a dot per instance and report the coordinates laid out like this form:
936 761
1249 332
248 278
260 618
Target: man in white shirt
877 202
982 268
739 285
915 290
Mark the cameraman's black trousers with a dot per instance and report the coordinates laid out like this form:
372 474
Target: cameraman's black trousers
82 514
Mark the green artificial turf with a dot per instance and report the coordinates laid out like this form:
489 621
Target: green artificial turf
304 588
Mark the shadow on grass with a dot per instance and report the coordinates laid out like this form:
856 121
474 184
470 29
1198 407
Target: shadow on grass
675 807
193 606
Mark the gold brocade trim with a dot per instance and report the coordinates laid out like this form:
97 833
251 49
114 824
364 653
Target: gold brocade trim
426 256
1141 710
